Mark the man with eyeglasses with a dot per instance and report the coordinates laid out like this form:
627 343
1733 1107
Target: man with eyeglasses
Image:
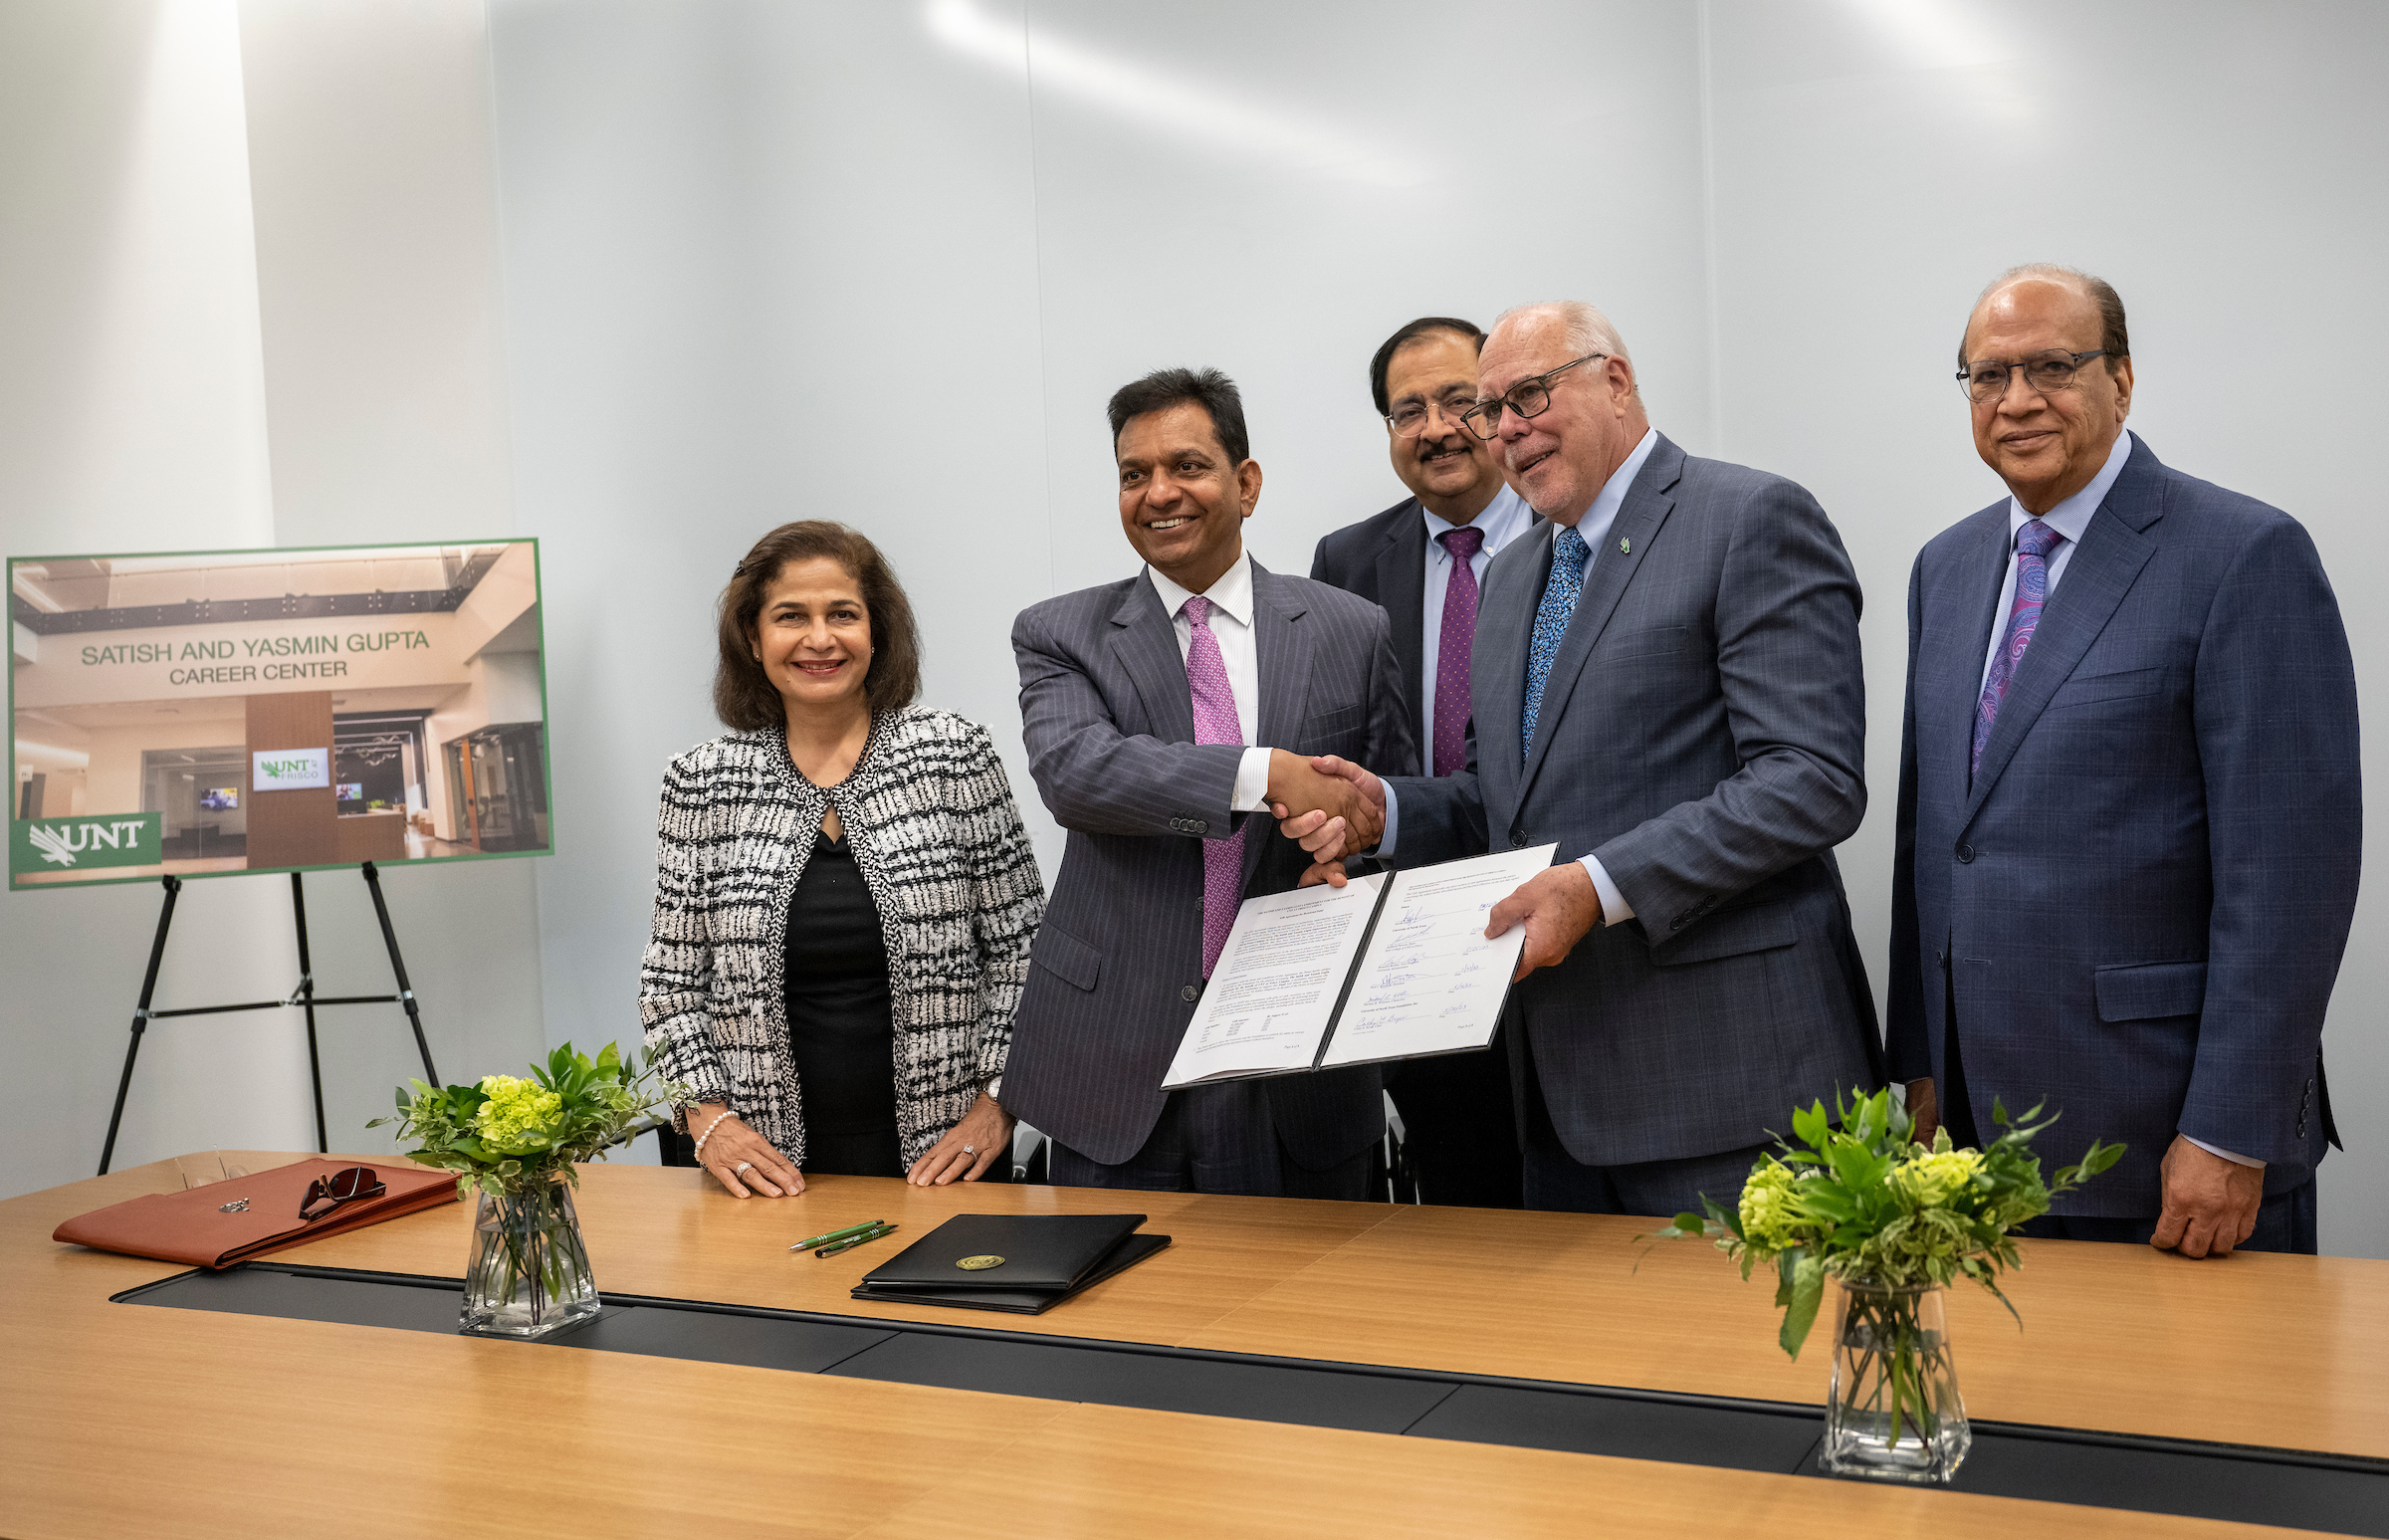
1666 683
2129 811
1424 560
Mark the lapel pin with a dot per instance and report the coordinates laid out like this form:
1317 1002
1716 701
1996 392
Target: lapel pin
1625 547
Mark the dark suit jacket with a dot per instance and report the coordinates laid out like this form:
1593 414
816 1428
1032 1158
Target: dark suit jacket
2141 897
1384 561
1703 732
1118 965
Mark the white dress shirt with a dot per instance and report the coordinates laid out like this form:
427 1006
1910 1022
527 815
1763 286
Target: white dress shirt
1231 621
1503 520
2070 518
1595 528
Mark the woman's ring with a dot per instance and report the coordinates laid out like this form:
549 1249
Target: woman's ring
741 1165
969 1148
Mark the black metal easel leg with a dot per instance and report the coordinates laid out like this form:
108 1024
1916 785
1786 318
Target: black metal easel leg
140 1019
307 998
406 992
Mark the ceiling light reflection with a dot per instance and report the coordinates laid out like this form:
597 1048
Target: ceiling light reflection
1137 91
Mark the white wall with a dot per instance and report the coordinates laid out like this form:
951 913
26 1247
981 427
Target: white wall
759 260
161 308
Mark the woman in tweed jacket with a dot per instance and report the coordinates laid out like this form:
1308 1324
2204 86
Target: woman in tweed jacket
919 867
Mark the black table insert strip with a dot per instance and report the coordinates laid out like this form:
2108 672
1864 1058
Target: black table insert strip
2288 1488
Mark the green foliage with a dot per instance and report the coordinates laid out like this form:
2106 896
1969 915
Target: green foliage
506 1134
1857 1197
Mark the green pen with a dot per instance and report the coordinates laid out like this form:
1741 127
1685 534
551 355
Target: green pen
837 1235
848 1245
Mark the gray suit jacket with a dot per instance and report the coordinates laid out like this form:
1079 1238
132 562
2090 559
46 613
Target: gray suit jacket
2139 899
1118 965
1703 732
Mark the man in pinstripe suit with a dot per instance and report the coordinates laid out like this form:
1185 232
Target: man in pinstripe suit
1665 682
1161 713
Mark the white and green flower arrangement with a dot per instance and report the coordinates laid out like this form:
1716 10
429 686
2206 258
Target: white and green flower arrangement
506 1134
518 1143
1858 1200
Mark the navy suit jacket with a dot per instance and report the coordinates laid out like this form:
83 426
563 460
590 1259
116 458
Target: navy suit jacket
1383 560
2138 901
1117 966
1703 730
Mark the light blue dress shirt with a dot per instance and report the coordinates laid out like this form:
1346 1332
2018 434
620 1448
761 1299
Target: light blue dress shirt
1595 528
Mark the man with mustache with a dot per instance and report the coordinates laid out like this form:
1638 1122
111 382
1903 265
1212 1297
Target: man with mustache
2130 813
1424 560
1666 683
1161 712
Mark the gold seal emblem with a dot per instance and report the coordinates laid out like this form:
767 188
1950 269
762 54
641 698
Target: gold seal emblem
979 1263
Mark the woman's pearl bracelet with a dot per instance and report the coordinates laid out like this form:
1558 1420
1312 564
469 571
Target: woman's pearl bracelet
709 1132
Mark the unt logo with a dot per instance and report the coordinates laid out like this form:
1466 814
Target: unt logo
284 768
60 846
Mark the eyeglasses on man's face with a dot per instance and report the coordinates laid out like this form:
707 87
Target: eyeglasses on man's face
1409 420
1985 380
1528 398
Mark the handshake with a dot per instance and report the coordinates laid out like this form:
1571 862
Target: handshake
1331 806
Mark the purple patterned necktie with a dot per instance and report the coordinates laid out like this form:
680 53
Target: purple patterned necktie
1215 723
1451 651
2034 543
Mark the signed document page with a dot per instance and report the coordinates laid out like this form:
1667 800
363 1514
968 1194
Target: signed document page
1274 992
1429 981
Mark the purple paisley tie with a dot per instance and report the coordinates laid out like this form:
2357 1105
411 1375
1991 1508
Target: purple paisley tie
1215 723
1451 651
2034 543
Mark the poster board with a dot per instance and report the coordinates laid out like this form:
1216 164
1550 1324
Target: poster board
206 713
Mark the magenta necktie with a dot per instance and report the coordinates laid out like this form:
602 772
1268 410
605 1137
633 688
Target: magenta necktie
2034 543
1451 651
1215 723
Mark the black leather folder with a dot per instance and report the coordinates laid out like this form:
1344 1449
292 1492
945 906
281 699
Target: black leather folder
1023 1263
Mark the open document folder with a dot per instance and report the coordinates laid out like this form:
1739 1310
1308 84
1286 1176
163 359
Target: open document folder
1391 966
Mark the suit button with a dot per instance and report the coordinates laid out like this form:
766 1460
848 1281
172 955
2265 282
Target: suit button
1677 922
1190 994
1965 854
1197 826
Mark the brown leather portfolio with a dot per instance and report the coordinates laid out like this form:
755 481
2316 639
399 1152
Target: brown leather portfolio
224 1222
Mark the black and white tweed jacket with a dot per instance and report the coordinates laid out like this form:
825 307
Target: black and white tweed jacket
940 843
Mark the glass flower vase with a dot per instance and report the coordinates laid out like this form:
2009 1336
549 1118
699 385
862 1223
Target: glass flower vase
1894 1413
528 1274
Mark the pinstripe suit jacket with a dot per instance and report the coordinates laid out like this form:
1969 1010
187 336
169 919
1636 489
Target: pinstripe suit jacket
1703 732
1118 965
2140 898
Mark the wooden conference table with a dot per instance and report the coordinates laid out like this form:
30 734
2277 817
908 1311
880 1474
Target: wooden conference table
126 1421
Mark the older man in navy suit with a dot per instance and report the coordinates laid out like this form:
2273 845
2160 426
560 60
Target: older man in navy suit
1664 683
2129 810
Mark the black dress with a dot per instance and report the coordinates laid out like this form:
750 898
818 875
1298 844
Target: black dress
841 1022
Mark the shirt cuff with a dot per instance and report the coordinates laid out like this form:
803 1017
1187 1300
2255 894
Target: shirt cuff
2237 1160
1614 910
1251 793
1385 841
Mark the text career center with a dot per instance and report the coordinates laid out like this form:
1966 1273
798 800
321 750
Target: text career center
213 661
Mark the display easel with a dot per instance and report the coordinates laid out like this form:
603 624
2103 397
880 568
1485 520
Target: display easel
304 996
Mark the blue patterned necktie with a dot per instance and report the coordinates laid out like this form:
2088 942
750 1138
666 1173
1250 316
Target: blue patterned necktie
1560 593
2034 543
